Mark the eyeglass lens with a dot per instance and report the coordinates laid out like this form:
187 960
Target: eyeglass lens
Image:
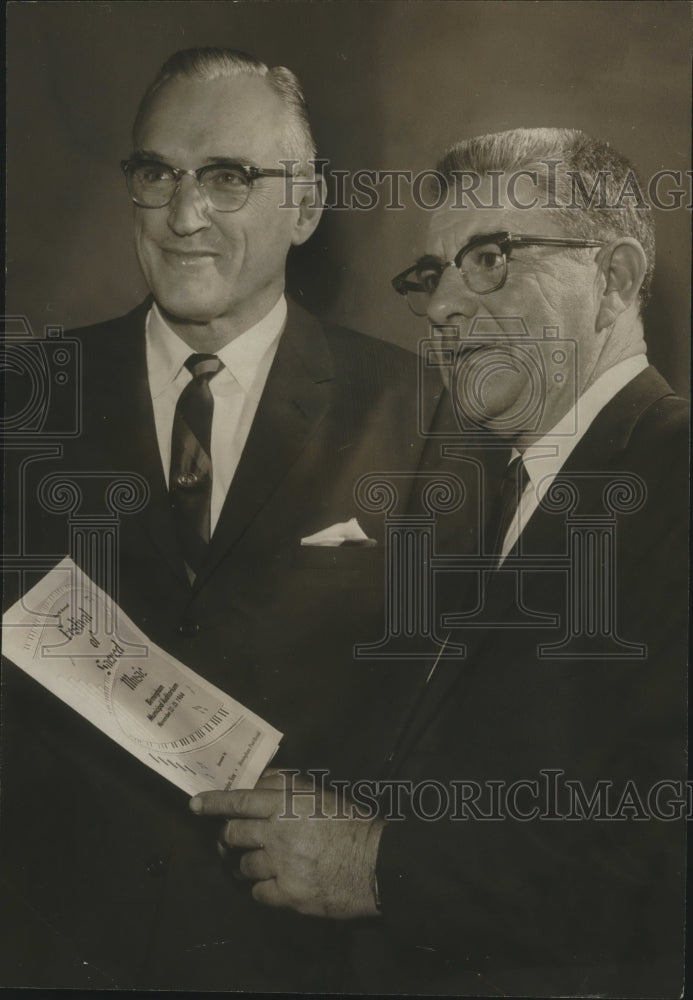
481 267
153 185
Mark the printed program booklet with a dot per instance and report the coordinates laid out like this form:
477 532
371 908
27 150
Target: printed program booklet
77 642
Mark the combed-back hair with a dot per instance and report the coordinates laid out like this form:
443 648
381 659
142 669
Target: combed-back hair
220 64
580 164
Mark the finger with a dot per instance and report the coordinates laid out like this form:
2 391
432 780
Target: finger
256 865
260 803
271 778
246 833
268 893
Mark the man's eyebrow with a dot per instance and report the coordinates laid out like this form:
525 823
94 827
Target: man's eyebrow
148 154
152 154
429 259
246 161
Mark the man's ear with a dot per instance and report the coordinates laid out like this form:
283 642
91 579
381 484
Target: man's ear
312 195
623 266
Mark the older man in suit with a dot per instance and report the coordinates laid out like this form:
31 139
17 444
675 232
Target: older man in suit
543 852
250 424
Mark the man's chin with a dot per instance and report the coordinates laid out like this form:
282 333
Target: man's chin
496 399
187 312
502 423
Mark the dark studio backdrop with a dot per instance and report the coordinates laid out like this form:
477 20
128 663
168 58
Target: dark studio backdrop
390 85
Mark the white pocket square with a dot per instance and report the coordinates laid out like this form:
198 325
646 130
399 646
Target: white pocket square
346 533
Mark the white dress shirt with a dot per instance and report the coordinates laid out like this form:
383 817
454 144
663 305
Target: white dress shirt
236 390
545 459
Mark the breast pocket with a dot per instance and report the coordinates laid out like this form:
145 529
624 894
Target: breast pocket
344 584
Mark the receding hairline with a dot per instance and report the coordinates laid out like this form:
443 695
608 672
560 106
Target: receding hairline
576 152
209 64
244 79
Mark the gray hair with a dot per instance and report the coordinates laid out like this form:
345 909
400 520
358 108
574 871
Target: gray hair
581 164
217 64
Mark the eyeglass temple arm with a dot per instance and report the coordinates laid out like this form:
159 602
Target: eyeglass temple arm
553 241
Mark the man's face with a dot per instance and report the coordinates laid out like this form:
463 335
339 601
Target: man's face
544 287
204 266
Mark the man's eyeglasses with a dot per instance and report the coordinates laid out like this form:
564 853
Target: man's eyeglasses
482 264
226 186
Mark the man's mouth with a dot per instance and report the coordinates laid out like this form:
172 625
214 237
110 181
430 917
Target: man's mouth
188 258
466 352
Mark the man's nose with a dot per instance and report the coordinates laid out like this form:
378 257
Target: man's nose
188 209
452 298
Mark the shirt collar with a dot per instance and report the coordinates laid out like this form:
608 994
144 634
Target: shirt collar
249 354
166 352
242 357
546 457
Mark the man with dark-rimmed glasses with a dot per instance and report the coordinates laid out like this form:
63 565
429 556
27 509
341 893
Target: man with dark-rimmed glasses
543 849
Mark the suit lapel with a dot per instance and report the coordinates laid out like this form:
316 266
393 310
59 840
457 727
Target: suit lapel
598 450
127 404
297 394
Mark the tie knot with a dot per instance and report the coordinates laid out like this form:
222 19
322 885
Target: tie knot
203 365
514 482
515 471
512 486
515 477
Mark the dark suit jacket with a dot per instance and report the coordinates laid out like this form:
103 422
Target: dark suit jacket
551 907
109 880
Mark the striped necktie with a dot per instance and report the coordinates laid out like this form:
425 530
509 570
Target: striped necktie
190 478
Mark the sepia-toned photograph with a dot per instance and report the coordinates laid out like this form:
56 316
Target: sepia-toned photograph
346 442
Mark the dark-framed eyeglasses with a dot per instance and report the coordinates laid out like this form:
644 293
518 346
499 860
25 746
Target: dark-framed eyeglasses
226 186
482 264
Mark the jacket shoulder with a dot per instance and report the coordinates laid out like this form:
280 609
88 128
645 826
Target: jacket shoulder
665 421
353 349
131 323
660 437
658 452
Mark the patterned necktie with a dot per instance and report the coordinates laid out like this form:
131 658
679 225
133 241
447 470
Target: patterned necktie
513 484
190 478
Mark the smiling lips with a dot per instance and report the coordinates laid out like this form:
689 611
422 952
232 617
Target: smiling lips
188 258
